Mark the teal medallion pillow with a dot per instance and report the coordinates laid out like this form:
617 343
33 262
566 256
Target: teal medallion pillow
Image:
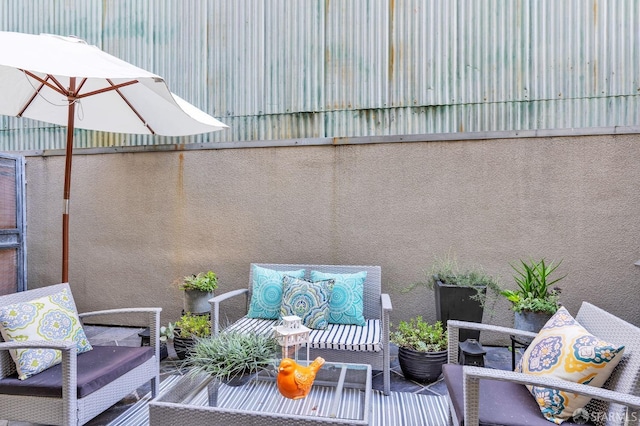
266 295
48 318
346 305
308 300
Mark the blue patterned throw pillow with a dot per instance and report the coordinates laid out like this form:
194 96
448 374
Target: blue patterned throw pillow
266 294
48 318
308 300
346 305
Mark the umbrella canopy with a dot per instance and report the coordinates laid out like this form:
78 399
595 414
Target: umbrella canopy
65 81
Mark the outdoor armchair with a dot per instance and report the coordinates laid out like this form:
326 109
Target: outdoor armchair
498 397
82 385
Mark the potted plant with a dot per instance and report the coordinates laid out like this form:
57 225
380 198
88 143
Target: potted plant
198 289
187 329
422 348
460 293
535 300
232 356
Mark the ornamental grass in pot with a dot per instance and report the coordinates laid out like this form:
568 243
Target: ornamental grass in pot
232 356
422 348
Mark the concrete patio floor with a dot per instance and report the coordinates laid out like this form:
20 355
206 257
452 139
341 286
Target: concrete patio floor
497 357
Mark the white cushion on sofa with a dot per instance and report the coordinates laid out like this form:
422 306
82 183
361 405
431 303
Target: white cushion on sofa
336 336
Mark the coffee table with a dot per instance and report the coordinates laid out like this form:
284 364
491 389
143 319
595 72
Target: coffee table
341 394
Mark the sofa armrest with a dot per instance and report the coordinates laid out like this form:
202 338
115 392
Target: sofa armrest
454 326
385 306
215 306
472 376
385 301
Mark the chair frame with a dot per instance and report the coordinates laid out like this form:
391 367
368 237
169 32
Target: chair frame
620 395
71 410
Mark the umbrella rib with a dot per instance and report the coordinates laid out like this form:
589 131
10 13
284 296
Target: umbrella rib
43 82
106 89
117 89
28 103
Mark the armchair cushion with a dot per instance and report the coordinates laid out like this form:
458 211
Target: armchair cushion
565 350
497 401
308 300
97 368
346 306
52 317
266 296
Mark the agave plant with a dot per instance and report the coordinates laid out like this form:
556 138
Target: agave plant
535 291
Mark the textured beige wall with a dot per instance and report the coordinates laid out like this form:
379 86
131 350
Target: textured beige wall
141 220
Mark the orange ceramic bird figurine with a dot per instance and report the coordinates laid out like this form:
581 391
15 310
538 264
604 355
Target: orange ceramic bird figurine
295 380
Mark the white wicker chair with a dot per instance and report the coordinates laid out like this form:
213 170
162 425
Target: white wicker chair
377 306
476 397
69 409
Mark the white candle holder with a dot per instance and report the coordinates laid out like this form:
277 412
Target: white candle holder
291 332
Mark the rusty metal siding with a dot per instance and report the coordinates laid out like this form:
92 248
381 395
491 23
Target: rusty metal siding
314 68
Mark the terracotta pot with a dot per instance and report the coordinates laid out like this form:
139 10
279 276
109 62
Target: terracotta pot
421 366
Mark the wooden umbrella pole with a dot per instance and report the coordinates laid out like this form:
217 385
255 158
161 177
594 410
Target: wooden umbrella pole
67 179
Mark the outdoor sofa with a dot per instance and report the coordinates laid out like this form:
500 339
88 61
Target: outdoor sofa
364 344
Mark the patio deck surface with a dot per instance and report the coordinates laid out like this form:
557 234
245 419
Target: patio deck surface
497 357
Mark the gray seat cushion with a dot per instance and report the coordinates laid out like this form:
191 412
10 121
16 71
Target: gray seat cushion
501 403
96 368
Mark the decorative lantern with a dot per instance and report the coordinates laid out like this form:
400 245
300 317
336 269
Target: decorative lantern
291 332
471 353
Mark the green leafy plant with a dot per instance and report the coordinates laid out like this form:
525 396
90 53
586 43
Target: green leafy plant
204 281
418 335
167 332
231 354
191 325
535 292
448 271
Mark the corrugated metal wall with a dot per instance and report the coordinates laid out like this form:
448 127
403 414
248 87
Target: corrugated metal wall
317 68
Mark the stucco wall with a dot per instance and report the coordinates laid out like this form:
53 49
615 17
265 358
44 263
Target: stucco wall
141 220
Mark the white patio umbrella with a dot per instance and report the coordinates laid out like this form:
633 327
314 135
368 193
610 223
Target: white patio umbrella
65 81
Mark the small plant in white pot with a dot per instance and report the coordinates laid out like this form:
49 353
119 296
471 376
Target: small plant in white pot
198 289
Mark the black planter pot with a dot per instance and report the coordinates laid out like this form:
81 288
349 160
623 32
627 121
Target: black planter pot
182 345
457 303
421 366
